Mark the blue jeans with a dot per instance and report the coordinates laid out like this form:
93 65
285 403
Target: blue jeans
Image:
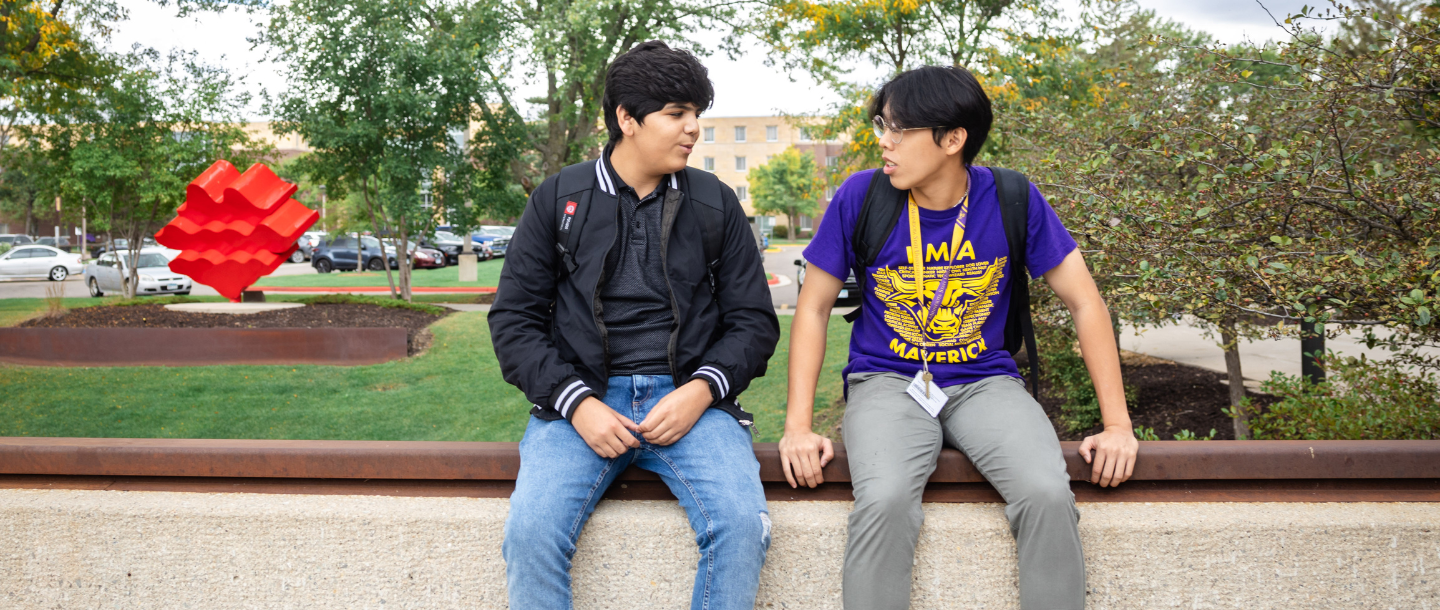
712 470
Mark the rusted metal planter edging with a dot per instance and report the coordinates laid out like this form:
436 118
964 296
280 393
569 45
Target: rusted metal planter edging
439 461
200 346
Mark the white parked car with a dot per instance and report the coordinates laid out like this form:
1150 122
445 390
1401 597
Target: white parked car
39 261
110 272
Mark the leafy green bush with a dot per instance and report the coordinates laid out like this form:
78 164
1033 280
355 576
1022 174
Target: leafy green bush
1186 435
780 231
1360 399
1146 433
1062 366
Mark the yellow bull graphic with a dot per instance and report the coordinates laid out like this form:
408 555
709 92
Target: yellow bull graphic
962 310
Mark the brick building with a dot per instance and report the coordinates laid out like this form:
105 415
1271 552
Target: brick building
732 146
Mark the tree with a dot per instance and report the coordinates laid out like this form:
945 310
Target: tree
790 184
1251 186
384 93
567 44
46 60
823 39
19 194
129 153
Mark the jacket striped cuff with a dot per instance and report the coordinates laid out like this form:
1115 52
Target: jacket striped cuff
719 382
571 392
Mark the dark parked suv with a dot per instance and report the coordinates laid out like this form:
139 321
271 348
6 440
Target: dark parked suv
339 254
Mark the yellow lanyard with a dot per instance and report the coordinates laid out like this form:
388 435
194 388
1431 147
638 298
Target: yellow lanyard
917 258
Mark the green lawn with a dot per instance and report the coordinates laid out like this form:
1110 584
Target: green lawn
452 392
448 277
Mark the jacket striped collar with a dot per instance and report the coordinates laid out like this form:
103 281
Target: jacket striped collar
604 175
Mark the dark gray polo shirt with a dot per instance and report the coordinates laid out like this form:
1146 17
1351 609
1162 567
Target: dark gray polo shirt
634 300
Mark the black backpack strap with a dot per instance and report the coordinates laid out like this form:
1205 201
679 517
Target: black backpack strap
1013 189
572 199
878 215
704 188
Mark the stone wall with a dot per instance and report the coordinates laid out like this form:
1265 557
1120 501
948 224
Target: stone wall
114 549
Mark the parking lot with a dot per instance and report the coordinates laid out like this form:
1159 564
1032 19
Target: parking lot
782 264
75 287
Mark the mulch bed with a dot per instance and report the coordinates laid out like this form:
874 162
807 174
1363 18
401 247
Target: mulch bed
349 315
1170 397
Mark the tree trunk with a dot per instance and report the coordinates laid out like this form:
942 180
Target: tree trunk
1312 351
403 258
374 226
30 218
132 270
1230 337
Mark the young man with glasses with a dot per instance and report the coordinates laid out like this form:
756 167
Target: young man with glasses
927 367
632 310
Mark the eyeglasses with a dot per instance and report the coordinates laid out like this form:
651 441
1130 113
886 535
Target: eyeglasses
896 134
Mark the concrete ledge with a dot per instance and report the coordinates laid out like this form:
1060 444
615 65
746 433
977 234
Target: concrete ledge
84 549
200 346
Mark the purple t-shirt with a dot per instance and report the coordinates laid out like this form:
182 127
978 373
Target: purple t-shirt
966 338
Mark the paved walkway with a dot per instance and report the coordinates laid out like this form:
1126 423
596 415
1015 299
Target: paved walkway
1188 343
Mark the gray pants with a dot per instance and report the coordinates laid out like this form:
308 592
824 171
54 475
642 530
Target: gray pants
893 445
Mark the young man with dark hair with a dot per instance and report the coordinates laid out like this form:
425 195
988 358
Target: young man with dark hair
632 310
929 366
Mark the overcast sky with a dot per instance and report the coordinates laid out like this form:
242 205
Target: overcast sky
745 87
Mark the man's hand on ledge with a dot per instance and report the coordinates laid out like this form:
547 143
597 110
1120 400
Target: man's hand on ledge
676 413
1114 455
606 432
802 454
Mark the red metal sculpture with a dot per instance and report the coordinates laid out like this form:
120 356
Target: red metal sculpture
235 228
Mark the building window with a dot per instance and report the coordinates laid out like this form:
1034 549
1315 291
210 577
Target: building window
739 164
742 193
740 134
772 133
804 134
804 222
832 161
709 164
709 134
830 192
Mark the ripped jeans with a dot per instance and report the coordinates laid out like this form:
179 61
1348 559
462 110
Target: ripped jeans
712 470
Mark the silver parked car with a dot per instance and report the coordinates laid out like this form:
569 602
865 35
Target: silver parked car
39 261
307 243
15 239
110 273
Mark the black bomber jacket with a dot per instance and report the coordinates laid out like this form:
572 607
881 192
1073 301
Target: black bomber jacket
548 337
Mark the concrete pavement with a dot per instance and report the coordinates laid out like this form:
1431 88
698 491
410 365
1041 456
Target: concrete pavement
1190 343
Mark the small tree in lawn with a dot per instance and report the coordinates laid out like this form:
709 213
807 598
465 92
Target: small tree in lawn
384 92
790 184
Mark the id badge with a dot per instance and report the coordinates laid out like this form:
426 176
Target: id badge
934 402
